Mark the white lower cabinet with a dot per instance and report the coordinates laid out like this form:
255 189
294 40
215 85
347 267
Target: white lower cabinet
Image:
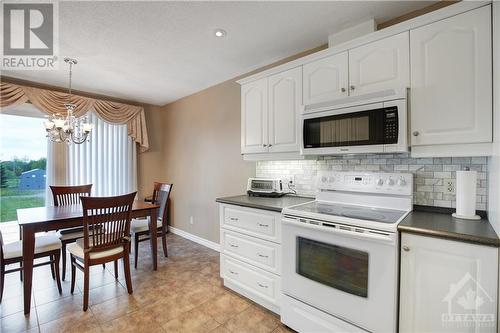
447 286
251 253
258 285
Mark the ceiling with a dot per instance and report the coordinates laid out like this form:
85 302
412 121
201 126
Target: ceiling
158 52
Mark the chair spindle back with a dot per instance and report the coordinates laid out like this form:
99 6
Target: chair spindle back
69 195
106 221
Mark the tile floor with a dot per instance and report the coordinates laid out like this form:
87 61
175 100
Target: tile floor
184 295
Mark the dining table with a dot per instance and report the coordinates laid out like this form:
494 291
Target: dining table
51 218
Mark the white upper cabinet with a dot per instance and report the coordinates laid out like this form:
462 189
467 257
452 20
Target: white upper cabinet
326 79
285 99
451 80
270 109
254 111
380 65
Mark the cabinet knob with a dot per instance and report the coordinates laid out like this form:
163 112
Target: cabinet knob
416 133
352 87
342 89
406 248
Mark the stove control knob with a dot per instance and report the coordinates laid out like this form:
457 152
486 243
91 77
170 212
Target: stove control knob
331 179
324 179
390 181
401 181
380 182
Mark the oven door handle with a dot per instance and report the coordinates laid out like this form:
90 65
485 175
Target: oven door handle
389 238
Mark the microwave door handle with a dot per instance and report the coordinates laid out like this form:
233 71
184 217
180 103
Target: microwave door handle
359 235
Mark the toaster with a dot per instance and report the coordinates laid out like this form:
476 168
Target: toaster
265 187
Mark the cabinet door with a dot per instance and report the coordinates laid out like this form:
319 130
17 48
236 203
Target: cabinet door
325 79
285 99
254 135
384 64
451 84
443 281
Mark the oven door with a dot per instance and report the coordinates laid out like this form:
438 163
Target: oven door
348 274
367 128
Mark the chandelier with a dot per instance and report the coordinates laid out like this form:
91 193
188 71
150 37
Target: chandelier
68 128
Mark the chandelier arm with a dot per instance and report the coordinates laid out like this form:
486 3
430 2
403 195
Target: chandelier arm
62 135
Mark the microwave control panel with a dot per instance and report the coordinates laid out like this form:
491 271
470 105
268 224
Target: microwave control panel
391 125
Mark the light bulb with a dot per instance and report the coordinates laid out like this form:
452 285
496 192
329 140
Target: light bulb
87 127
220 33
59 123
49 125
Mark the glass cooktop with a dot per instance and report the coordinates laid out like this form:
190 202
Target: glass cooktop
351 211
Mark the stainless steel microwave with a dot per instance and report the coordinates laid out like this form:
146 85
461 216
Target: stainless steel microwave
378 125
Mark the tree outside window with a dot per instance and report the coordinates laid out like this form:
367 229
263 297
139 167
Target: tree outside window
23 160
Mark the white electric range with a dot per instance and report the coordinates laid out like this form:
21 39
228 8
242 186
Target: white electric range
340 253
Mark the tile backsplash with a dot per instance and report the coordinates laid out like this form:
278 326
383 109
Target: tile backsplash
431 174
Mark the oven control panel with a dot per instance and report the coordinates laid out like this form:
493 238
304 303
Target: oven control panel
368 182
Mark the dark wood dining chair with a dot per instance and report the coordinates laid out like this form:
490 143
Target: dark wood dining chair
47 245
69 195
140 227
106 229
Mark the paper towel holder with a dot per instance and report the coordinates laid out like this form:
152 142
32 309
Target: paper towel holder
466 217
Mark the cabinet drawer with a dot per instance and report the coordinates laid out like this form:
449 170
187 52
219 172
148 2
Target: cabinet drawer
251 279
260 253
253 222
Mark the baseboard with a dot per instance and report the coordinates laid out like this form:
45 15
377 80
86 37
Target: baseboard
202 241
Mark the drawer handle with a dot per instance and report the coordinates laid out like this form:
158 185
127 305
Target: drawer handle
263 225
233 218
233 272
235 246
262 285
262 256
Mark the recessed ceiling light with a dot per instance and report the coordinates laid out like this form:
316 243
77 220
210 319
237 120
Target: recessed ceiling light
220 33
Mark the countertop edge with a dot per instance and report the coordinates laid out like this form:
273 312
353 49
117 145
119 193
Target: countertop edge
249 205
451 236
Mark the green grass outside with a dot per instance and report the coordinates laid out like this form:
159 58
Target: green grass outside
12 199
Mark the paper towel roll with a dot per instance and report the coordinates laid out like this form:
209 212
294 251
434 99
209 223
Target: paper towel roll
466 195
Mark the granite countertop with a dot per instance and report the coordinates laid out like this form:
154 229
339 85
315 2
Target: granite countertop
443 225
272 204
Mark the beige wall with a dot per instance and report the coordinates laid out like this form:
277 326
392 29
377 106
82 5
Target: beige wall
150 164
202 156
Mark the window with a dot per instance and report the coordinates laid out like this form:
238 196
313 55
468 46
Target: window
108 160
23 160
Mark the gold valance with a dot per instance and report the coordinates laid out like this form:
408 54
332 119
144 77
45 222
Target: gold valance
51 102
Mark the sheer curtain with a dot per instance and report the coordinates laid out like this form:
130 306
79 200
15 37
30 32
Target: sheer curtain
108 160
